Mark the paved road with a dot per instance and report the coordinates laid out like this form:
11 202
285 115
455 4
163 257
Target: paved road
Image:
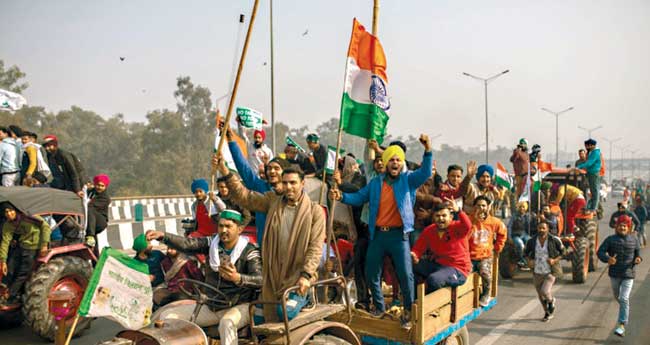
515 319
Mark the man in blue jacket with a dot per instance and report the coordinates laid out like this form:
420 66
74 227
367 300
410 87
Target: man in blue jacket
273 171
592 165
392 197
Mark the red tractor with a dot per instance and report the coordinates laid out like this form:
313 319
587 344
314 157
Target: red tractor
67 266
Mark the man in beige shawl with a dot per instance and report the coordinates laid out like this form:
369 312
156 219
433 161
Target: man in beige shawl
294 234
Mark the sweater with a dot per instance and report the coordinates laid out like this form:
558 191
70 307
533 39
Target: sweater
486 238
452 248
626 248
33 234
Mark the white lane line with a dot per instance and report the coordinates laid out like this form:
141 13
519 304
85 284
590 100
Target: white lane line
514 319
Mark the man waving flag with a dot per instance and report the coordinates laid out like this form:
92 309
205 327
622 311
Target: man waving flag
365 104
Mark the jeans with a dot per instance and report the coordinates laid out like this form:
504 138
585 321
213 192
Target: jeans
622 289
594 188
520 244
439 276
394 243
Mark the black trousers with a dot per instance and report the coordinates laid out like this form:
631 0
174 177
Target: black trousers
24 263
359 259
96 222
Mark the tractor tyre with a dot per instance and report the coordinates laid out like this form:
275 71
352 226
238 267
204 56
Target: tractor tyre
580 260
591 233
508 262
326 339
460 337
69 273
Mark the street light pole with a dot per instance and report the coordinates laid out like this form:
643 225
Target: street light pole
611 145
557 131
623 148
590 130
632 153
486 81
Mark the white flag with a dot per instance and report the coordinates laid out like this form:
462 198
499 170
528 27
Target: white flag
331 158
119 289
11 101
250 118
225 153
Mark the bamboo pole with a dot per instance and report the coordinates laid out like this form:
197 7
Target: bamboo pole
233 94
74 325
272 79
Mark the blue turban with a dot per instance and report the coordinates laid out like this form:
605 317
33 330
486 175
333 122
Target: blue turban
200 183
482 169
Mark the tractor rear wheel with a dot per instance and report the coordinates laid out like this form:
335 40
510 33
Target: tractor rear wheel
508 262
326 339
580 260
67 273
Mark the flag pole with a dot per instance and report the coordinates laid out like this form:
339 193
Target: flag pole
233 94
375 19
272 80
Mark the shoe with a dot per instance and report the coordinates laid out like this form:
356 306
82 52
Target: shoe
545 318
549 316
620 330
360 306
525 268
405 321
376 314
484 301
551 307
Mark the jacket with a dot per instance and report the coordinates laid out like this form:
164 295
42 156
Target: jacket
520 161
642 214
452 249
33 233
519 224
99 201
304 248
404 189
555 249
249 266
8 156
626 248
251 181
474 190
593 164
34 161
64 171
486 237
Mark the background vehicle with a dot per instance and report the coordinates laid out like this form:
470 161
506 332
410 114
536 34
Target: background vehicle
67 266
581 247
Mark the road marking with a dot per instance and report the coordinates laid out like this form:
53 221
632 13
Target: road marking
508 324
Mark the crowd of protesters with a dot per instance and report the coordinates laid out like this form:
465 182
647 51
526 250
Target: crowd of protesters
409 225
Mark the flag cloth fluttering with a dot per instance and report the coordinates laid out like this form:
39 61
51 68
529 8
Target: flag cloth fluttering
11 101
119 289
365 104
502 178
331 158
543 169
289 141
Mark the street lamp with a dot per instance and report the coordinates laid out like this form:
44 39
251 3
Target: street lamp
590 130
486 81
611 145
557 144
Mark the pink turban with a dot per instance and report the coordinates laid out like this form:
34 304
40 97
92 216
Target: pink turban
103 178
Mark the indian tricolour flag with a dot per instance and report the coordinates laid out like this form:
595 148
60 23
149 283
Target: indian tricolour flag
365 104
543 169
119 289
502 178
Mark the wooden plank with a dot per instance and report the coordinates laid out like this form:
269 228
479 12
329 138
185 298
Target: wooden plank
436 299
434 323
495 276
476 292
469 284
464 305
418 335
385 328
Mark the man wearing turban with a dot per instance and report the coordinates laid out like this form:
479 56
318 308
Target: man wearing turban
261 154
391 197
484 174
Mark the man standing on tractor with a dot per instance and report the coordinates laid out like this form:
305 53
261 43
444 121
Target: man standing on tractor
592 165
234 269
520 161
33 238
391 197
544 253
292 245
488 236
621 252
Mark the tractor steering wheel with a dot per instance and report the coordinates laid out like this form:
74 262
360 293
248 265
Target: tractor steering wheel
204 293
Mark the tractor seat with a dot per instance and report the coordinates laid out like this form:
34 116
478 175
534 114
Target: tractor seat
319 312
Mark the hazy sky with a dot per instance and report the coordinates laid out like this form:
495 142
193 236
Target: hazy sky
592 54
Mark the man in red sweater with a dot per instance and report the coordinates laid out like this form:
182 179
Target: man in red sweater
445 241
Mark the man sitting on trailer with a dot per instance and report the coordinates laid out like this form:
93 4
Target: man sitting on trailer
235 269
392 198
445 243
